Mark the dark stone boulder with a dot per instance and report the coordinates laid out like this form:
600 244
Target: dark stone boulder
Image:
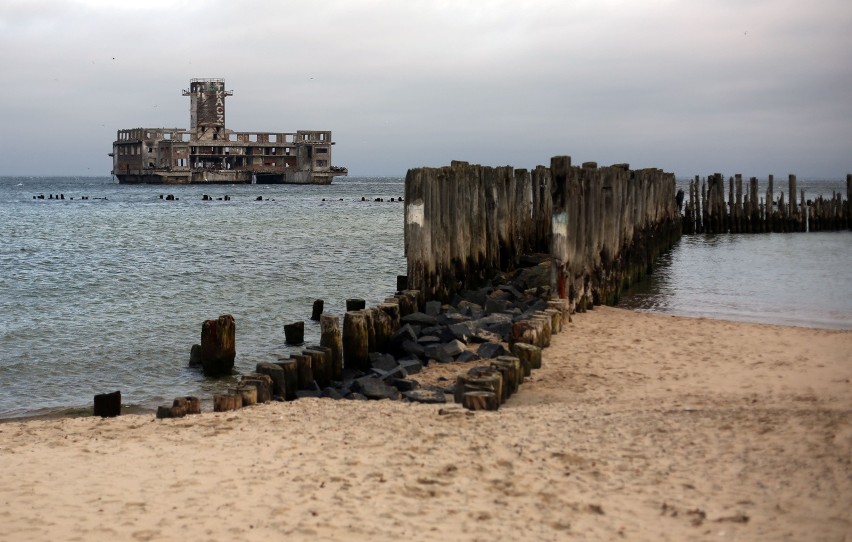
534 277
512 292
426 395
403 334
433 308
305 394
450 318
419 318
477 297
462 331
497 305
331 393
374 388
385 362
412 365
504 331
426 340
483 336
396 372
404 384
473 310
454 347
355 397
492 319
491 350
439 353
413 348
467 356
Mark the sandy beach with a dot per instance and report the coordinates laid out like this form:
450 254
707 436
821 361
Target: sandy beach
639 426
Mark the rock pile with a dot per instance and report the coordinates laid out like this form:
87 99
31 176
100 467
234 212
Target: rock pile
498 329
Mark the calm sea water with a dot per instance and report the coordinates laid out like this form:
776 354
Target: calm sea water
104 294
800 279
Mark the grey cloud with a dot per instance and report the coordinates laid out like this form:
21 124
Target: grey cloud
688 86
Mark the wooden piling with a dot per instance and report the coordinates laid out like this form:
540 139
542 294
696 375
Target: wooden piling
223 403
331 337
316 311
218 345
480 400
290 367
108 405
320 365
304 371
294 333
355 341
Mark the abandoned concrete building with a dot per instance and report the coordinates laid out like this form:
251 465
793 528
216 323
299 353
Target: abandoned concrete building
210 153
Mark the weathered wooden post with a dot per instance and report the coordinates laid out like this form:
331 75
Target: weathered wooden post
190 403
276 373
392 310
291 376
560 275
529 355
295 333
487 379
331 338
355 304
356 353
317 310
547 331
480 400
791 192
770 204
223 403
382 328
218 345
181 407
304 371
517 369
262 382
737 211
408 302
108 405
320 365
849 200
754 215
401 282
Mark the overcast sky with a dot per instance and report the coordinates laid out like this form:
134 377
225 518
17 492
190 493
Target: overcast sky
690 86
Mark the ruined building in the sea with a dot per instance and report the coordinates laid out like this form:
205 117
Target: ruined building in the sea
210 153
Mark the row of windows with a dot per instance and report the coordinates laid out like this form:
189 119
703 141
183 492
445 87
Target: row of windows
269 151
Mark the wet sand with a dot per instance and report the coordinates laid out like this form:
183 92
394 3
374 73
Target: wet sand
639 426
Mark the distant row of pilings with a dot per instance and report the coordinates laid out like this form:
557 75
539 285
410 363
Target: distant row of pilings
602 226
747 211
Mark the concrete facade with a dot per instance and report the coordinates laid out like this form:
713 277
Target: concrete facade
209 152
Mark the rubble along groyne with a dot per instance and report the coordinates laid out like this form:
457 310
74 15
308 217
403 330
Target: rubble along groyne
602 226
749 211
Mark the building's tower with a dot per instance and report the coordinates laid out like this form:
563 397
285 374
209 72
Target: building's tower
207 108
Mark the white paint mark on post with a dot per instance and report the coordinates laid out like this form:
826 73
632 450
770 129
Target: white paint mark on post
560 224
415 213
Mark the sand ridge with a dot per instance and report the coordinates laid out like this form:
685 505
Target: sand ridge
639 426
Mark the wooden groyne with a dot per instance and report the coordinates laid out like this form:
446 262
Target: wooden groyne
603 227
747 211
